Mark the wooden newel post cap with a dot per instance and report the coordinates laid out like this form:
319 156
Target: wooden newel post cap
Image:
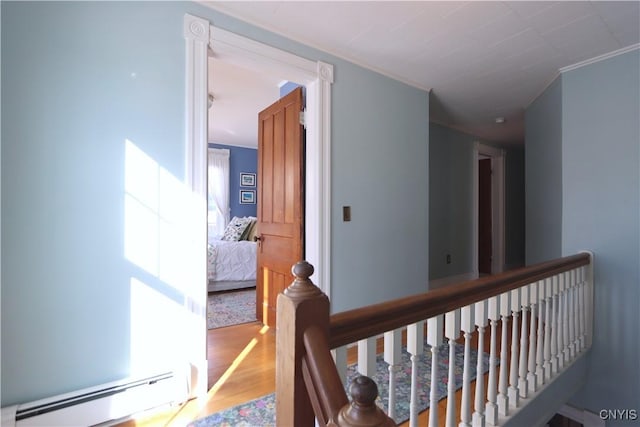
302 287
302 270
363 411
364 391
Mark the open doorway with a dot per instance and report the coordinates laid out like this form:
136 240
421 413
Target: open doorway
261 151
317 78
488 210
236 95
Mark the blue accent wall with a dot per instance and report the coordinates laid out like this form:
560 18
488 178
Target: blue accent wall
286 88
241 159
543 184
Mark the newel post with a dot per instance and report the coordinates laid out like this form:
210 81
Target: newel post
301 305
363 411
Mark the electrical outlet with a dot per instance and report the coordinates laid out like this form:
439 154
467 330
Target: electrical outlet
448 258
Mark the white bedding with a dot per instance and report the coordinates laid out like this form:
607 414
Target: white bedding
231 260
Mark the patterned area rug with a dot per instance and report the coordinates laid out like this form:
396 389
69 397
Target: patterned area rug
231 308
261 411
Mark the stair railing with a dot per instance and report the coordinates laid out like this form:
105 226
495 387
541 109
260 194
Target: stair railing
549 307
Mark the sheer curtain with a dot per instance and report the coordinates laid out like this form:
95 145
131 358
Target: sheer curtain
218 190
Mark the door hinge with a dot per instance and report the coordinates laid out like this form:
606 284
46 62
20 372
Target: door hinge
303 120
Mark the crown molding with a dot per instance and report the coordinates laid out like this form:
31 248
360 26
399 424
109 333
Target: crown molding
600 58
309 43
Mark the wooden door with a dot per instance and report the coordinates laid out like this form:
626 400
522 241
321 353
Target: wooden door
484 217
280 201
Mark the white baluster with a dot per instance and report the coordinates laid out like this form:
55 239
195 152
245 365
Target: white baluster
523 386
452 332
554 328
481 321
415 347
588 301
434 339
535 341
340 358
503 397
467 326
561 322
573 316
367 357
582 306
392 354
540 343
566 351
491 409
513 392
570 351
548 289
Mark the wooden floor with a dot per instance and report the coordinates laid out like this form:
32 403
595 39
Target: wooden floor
242 368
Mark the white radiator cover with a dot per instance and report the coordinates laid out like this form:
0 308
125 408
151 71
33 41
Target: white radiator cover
100 404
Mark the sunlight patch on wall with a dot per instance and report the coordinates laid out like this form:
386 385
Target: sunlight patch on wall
165 236
155 331
141 209
161 224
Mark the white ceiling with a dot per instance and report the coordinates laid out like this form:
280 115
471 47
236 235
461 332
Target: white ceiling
481 60
239 95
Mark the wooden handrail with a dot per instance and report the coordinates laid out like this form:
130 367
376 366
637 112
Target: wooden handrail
353 325
324 385
307 380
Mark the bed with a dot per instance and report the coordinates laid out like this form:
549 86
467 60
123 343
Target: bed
231 258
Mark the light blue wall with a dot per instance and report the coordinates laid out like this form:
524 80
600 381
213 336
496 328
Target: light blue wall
451 202
79 78
543 172
69 101
601 212
380 162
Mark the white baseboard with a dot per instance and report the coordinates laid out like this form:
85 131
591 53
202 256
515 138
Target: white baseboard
100 404
584 417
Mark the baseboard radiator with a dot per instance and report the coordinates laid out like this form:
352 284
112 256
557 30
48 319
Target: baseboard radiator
100 404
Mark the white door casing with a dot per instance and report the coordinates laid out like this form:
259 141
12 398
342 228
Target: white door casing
317 78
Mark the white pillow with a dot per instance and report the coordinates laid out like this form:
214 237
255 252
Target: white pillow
236 227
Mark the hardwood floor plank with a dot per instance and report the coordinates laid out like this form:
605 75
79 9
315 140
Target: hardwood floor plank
234 380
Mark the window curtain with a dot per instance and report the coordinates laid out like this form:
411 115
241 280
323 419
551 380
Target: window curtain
218 190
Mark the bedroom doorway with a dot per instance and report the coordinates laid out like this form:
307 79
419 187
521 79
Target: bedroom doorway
254 120
204 40
316 77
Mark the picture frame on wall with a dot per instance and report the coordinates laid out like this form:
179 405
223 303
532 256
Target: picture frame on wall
247 179
247 197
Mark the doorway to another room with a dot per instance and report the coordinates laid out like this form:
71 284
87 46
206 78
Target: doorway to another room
488 213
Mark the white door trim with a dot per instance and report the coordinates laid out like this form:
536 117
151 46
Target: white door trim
497 206
317 76
196 34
